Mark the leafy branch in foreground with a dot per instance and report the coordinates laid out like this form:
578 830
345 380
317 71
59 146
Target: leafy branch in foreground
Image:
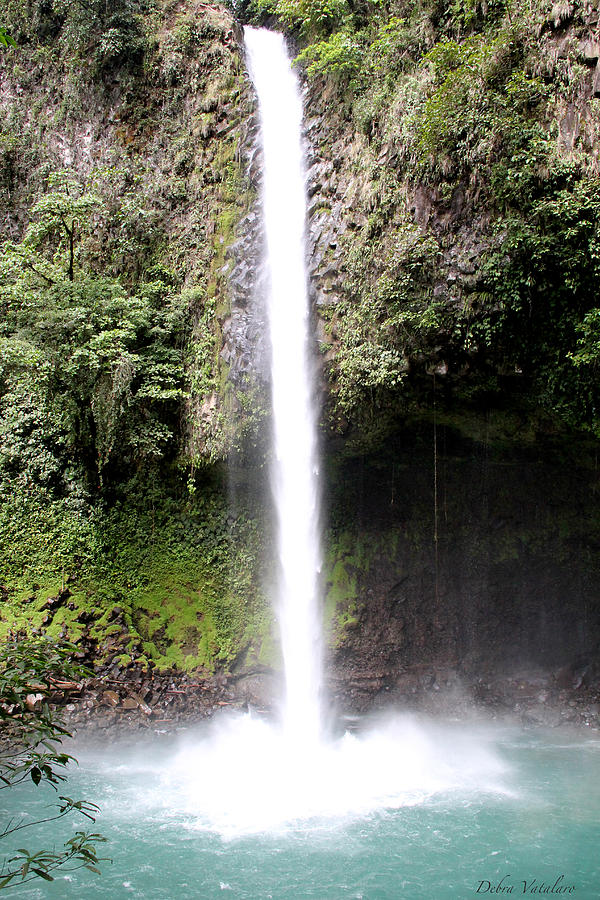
79 849
31 670
25 866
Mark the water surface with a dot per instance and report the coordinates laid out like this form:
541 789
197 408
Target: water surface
491 807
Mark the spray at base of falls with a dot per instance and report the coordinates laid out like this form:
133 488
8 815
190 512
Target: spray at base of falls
246 777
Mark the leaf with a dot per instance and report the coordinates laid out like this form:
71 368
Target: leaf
6 40
43 874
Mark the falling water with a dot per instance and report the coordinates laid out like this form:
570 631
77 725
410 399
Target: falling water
295 476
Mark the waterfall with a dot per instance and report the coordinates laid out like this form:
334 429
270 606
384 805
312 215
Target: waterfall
295 462
244 774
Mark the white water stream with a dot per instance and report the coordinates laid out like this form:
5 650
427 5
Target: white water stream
295 474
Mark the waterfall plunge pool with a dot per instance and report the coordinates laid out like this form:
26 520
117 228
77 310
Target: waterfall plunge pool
409 808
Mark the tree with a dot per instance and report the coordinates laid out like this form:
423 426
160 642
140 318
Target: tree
56 220
31 670
102 366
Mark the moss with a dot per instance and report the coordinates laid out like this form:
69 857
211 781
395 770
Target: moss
174 582
64 623
269 652
179 613
348 555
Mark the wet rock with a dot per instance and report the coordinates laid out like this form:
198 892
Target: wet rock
53 603
33 701
129 703
561 13
257 690
110 698
85 617
134 701
590 51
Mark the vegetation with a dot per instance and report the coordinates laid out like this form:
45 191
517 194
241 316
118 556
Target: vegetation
90 371
30 671
95 34
487 112
5 39
112 300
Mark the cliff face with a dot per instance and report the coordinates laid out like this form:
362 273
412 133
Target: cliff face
453 225
457 565
129 339
453 175
148 108
453 222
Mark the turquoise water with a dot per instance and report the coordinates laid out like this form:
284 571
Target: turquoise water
527 819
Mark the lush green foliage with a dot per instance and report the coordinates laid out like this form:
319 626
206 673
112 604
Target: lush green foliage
314 18
379 327
466 105
544 280
30 671
90 373
96 34
119 203
339 56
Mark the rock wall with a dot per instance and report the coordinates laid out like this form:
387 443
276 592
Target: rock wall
163 132
418 236
462 538
462 544
463 565
463 547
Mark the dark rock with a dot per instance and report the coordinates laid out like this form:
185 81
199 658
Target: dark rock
110 698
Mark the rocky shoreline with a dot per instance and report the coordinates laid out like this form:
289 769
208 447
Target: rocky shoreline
138 701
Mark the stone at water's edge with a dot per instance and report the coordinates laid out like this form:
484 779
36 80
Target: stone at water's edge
137 700
141 702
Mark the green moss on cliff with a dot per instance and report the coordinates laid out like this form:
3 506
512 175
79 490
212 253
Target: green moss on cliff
348 562
171 581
